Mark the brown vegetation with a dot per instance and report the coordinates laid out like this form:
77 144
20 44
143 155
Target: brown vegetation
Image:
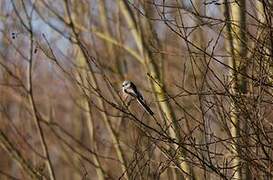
204 67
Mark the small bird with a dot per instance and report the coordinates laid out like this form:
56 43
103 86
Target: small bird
129 88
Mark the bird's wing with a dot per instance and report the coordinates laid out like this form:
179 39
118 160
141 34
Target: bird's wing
138 94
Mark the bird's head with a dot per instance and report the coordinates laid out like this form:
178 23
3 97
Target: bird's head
126 84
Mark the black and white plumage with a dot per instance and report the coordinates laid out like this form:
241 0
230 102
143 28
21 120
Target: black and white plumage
129 88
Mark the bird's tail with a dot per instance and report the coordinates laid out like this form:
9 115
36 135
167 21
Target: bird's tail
145 106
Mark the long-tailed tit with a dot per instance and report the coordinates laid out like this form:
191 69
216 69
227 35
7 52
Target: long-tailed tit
129 88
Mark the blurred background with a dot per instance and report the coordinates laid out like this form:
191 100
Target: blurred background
203 66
